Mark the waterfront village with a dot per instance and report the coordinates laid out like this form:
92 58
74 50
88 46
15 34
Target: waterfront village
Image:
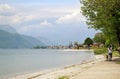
71 46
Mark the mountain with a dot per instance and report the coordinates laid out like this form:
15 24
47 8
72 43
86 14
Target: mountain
10 39
45 41
7 28
34 41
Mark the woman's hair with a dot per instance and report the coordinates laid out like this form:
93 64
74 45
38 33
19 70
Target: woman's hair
110 46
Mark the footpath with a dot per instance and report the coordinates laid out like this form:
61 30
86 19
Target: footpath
101 70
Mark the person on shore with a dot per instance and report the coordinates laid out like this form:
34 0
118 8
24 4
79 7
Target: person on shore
110 53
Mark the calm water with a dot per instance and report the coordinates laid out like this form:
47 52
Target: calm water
14 62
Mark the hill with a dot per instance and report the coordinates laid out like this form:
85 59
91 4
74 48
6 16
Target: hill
7 28
45 41
15 40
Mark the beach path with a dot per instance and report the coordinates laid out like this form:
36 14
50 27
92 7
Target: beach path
101 70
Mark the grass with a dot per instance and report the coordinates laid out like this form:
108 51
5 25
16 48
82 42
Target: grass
63 77
115 53
99 51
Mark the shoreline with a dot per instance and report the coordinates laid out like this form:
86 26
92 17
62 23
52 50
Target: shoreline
55 73
68 50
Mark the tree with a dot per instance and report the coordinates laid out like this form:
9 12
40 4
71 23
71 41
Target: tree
76 45
99 38
103 15
70 45
37 47
88 41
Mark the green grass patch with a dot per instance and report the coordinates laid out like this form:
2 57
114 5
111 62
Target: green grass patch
99 51
63 77
116 53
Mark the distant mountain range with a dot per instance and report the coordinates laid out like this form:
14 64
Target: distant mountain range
45 41
7 28
9 38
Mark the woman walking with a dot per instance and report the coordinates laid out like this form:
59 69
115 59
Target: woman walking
110 53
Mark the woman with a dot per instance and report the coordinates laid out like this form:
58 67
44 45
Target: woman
110 53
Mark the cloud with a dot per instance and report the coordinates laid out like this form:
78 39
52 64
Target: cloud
8 14
5 7
74 17
14 16
13 20
35 27
45 23
7 10
32 14
28 28
28 18
17 19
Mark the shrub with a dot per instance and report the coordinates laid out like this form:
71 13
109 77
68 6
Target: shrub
116 53
98 51
63 77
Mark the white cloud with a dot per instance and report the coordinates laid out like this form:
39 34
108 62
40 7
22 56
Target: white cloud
7 10
5 7
17 19
30 17
45 23
14 15
28 28
73 17
34 27
26 18
21 15
24 29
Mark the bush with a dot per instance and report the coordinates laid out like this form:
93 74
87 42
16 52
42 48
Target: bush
98 51
63 77
116 53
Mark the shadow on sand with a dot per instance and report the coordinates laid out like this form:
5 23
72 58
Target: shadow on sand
115 60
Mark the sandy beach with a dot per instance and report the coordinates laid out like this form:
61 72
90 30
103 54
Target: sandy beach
102 70
70 71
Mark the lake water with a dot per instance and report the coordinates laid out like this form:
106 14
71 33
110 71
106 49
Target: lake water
21 61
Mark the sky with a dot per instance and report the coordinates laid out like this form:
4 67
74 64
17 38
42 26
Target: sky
59 21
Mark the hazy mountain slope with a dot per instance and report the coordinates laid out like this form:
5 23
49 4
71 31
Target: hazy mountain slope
45 41
34 41
7 28
10 40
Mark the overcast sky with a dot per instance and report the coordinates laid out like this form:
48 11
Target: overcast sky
57 20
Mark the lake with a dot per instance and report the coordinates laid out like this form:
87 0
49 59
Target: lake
20 61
